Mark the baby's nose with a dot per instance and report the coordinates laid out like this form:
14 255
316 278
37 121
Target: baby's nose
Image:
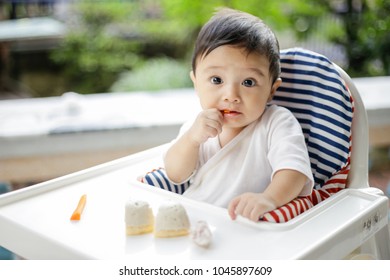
232 94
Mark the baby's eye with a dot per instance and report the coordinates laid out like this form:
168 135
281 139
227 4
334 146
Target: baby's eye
249 83
216 80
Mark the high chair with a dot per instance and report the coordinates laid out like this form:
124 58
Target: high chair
344 218
330 110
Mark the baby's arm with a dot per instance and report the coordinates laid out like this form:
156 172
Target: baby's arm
181 158
285 186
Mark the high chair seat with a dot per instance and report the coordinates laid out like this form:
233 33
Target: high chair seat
313 90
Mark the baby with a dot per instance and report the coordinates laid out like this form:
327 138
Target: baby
240 152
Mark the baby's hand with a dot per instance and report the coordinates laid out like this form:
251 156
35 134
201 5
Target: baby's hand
208 124
251 205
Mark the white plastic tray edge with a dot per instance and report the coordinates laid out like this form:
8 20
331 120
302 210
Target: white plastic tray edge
302 220
16 231
318 209
378 201
78 176
85 174
352 231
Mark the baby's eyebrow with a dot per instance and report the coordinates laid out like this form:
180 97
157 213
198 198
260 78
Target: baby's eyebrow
210 68
258 71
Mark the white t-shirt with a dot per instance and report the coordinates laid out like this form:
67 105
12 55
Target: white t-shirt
249 161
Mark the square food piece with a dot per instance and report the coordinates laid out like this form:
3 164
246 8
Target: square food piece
171 220
139 217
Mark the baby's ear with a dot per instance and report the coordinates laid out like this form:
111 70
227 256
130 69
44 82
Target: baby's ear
275 86
193 79
192 76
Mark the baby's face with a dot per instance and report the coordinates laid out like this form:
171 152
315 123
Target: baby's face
236 83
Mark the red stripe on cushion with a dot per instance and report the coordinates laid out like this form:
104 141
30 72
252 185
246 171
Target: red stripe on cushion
294 204
341 181
302 205
295 207
323 194
314 197
283 213
334 190
275 218
305 204
344 170
290 210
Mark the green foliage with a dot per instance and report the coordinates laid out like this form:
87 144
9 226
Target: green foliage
360 27
111 37
93 56
368 38
155 74
192 14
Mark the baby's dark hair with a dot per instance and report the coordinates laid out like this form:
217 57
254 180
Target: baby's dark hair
243 30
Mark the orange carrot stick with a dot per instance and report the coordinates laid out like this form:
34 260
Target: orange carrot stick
79 209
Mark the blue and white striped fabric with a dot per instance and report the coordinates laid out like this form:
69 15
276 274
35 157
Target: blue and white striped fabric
314 92
158 178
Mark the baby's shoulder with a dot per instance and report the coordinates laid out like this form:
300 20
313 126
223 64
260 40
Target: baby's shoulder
277 117
275 111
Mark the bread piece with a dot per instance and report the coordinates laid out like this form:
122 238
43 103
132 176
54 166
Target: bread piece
171 220
139 217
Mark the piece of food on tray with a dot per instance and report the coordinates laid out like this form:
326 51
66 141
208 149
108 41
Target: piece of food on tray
201 234
79 209
171 220
139 217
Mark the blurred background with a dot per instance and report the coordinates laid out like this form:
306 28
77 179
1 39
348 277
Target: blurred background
49 47
68 68
72 49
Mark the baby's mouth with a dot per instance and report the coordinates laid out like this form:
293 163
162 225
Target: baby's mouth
226 111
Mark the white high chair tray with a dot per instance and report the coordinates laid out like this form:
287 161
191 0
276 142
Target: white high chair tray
35 222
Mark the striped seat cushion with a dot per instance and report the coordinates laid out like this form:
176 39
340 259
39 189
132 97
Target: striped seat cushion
158 178
314 92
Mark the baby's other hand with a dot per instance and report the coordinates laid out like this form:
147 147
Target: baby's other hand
251 206
208 124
